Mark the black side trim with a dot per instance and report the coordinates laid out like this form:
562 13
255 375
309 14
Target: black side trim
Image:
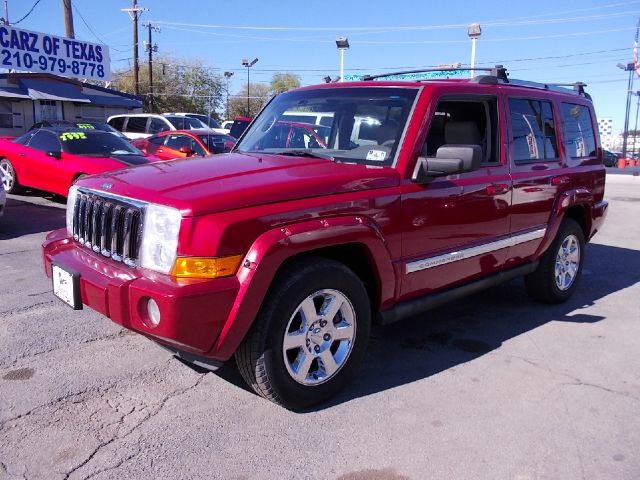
422 304
207 363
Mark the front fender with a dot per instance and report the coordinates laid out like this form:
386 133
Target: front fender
272 248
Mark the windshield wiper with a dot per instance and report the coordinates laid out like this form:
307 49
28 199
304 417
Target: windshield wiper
303 153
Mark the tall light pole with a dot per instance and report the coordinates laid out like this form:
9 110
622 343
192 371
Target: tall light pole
227 76
473 31
246 63
343 44
629 67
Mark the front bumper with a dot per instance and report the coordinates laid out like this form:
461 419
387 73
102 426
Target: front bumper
193 311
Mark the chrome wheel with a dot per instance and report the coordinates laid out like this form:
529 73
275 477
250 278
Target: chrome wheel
8 177
319 337
567 262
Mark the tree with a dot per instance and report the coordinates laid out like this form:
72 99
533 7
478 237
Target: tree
259 96
179 85
281 82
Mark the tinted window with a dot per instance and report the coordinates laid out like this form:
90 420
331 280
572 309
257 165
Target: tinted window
157 140
578 136
137 124
533 132
176 142
96 143
117 123
45 142
24 139
157 125
177 122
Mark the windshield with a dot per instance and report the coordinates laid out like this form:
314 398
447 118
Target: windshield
186 123
366 123
208 121
217 143
96 143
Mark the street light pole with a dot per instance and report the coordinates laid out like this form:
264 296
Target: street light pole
629 67
246 63
343 44
228 76
473 31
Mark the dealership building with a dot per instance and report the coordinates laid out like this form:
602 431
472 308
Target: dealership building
27 98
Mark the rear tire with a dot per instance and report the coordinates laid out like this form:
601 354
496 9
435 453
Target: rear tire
9 177
310 335
557 275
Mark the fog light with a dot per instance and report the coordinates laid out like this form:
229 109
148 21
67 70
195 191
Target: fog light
154 312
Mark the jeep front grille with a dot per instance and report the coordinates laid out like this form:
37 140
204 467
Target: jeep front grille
108 225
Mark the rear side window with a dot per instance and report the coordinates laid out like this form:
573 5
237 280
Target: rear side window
137 125
533 130
156 125
117 123
578 135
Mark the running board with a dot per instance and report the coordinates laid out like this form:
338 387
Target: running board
415 306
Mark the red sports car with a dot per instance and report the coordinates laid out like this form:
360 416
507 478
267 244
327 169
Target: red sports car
185 143
51 159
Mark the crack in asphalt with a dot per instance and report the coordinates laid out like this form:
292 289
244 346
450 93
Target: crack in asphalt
117 436
13 253
579 383
14 311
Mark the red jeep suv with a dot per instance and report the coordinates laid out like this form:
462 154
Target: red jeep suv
283 256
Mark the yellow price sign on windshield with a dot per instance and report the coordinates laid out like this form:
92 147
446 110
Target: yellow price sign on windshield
73 136
86 126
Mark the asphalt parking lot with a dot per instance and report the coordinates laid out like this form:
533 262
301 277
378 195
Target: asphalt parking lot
493 387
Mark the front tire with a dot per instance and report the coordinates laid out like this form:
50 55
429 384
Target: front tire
310 335
9 177
557 275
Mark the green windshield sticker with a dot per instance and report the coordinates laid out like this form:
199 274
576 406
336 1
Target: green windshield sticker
73 136
87 126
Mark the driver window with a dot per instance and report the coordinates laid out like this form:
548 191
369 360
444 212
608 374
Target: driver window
176 142
45 142
464 122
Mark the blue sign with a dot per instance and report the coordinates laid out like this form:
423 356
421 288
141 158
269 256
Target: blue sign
417 76
43 53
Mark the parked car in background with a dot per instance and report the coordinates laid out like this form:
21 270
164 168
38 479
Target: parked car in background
240 124
227 124
185 143
142 125
52 158
609 159
81 124
206 120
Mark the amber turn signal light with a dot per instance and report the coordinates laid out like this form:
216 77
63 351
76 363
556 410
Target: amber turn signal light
206 267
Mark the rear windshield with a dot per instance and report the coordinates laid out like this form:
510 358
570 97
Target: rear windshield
96 143
368 124
214 141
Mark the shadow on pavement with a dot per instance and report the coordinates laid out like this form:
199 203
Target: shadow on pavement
24 218
462 331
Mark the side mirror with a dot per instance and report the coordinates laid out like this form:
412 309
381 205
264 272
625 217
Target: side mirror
449 160
187 151
55 154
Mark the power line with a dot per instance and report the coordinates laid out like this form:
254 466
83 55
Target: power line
28 13
86 24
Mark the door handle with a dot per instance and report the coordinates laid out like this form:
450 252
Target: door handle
560 180
497 189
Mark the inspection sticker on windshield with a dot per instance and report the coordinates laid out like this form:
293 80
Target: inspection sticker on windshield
376 155
73 136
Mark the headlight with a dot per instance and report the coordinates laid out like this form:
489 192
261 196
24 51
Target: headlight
71 203
160 238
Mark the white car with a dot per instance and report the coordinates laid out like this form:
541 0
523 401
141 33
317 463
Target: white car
143 125
206 120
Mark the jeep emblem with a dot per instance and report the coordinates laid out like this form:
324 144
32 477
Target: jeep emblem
107 186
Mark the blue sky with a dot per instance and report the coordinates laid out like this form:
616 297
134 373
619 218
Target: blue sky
547 41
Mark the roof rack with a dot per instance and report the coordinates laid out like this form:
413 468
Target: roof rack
498 72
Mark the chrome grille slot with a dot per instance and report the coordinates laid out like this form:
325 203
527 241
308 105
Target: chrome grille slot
109 226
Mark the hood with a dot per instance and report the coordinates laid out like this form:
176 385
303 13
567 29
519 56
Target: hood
202 185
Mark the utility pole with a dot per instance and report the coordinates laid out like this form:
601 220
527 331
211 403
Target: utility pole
133 13
150 47
6 13
68 18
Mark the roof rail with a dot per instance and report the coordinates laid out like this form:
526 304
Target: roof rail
498 71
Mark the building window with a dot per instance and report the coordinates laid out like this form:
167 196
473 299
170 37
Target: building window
6 114
48 110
